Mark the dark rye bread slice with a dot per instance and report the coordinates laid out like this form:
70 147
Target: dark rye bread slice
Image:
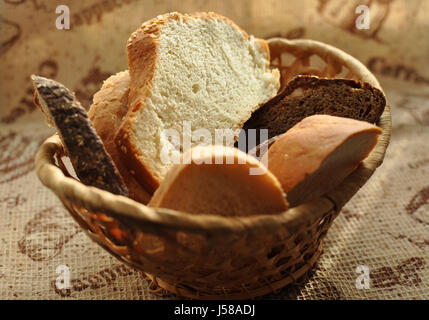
309 95
86 151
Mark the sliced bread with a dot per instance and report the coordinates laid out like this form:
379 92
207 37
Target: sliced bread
218 180
308 95
318 153
91 162
110 105
201 69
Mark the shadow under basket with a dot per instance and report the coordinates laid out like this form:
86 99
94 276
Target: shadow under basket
214 257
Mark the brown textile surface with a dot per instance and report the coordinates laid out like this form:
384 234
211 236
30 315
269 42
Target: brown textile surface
384 227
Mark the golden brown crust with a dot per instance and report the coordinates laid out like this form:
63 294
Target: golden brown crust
129 155
142 57
110 104
264 45
302 150
109 107
220 188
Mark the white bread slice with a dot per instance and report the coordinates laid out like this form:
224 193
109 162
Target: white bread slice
318 153
110 104
200 68
226 188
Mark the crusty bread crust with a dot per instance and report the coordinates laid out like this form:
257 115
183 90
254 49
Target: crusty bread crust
142 50
220 188
141 46
264 45
297 155
130 155
110 105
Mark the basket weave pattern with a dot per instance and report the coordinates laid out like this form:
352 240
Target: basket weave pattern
204 256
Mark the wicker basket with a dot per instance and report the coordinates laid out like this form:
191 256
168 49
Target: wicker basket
213 257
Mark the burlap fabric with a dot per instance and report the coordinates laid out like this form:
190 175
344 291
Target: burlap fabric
384 229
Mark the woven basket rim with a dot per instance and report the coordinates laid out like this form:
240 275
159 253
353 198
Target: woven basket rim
151 220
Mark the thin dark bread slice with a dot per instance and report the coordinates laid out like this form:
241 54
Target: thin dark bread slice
309 95
86 151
